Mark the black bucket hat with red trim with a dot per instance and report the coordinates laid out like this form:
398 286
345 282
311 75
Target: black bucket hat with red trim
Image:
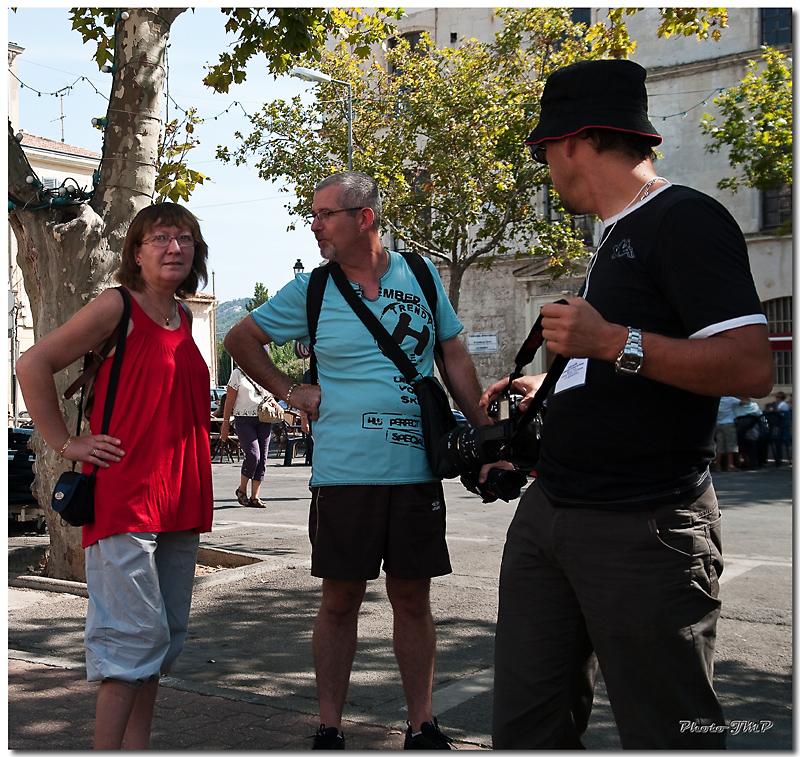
602 94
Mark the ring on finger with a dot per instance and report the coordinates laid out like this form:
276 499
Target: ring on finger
95 452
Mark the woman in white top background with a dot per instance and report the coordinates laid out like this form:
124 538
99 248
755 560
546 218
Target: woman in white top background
242 400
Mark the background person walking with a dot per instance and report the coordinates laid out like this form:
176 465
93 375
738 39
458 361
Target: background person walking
242 400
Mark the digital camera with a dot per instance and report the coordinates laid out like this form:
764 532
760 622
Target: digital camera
511 439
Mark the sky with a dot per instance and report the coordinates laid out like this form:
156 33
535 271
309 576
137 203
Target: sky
242 217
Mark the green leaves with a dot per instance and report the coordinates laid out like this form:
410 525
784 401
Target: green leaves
703 23
260 296
756 125
96 25
175 181
283 35
443 136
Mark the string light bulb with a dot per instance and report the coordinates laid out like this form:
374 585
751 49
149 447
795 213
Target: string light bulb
125 15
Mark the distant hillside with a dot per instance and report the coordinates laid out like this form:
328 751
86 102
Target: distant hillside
229 313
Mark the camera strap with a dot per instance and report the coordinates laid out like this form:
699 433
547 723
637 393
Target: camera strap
550 379
316 291
525 355
390 348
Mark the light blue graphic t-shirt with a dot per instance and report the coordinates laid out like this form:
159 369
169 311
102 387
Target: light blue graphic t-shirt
368 431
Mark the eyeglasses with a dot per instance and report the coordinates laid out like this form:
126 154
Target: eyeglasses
160 241
324 215
539 153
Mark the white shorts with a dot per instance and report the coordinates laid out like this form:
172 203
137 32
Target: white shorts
725 438
140 593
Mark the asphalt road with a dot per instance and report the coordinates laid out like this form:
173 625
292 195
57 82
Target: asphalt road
250 629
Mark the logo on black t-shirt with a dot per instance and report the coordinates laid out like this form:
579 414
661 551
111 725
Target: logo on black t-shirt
623 249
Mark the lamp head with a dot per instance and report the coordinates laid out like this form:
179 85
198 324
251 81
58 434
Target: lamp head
309 74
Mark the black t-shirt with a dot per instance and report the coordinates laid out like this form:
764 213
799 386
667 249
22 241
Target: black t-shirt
676 265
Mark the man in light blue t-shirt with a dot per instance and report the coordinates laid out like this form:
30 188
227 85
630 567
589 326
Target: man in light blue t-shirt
374 498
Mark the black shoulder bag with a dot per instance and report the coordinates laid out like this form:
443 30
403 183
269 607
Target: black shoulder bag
73 496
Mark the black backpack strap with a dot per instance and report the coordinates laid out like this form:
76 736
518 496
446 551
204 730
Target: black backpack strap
187 310
316 291
119 354
121 333
425 279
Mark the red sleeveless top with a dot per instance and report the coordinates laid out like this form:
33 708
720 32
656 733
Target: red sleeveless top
161 415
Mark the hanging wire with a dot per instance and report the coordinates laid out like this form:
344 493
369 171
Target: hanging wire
66 90
684 113
69 195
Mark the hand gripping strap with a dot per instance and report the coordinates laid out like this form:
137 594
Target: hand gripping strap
524 356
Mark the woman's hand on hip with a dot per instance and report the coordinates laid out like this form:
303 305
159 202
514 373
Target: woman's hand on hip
98 449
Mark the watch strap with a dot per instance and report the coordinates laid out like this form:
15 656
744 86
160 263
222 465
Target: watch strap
630 359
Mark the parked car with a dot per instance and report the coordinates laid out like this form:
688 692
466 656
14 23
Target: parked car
217 395
22 505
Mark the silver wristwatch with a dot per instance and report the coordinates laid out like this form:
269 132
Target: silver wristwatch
629 361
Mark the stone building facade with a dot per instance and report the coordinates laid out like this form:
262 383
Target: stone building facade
499 306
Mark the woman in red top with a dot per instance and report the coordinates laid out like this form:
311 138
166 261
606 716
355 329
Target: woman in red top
153 495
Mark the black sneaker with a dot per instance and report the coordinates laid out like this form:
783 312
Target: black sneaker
328 738
430 738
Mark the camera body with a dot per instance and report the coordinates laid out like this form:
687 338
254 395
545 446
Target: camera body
514 438
469 449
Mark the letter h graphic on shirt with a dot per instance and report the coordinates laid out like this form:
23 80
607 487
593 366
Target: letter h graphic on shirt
402 330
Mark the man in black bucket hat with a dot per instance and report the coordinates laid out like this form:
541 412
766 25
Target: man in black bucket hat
613 555
608 94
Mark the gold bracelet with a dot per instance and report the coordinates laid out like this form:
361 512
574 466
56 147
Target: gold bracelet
64 448
289 394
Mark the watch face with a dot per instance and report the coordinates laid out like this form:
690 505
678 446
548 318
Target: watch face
629 363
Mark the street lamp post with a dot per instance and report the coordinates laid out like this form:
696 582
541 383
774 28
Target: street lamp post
310 75
300 349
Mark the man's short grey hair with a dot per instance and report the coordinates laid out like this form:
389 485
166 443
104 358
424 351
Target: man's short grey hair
357 191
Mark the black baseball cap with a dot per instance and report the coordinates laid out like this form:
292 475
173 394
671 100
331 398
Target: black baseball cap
594 94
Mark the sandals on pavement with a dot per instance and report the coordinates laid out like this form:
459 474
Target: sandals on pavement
242 498
255 502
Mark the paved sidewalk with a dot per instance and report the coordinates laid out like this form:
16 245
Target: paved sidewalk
245 678
208 703
63 702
